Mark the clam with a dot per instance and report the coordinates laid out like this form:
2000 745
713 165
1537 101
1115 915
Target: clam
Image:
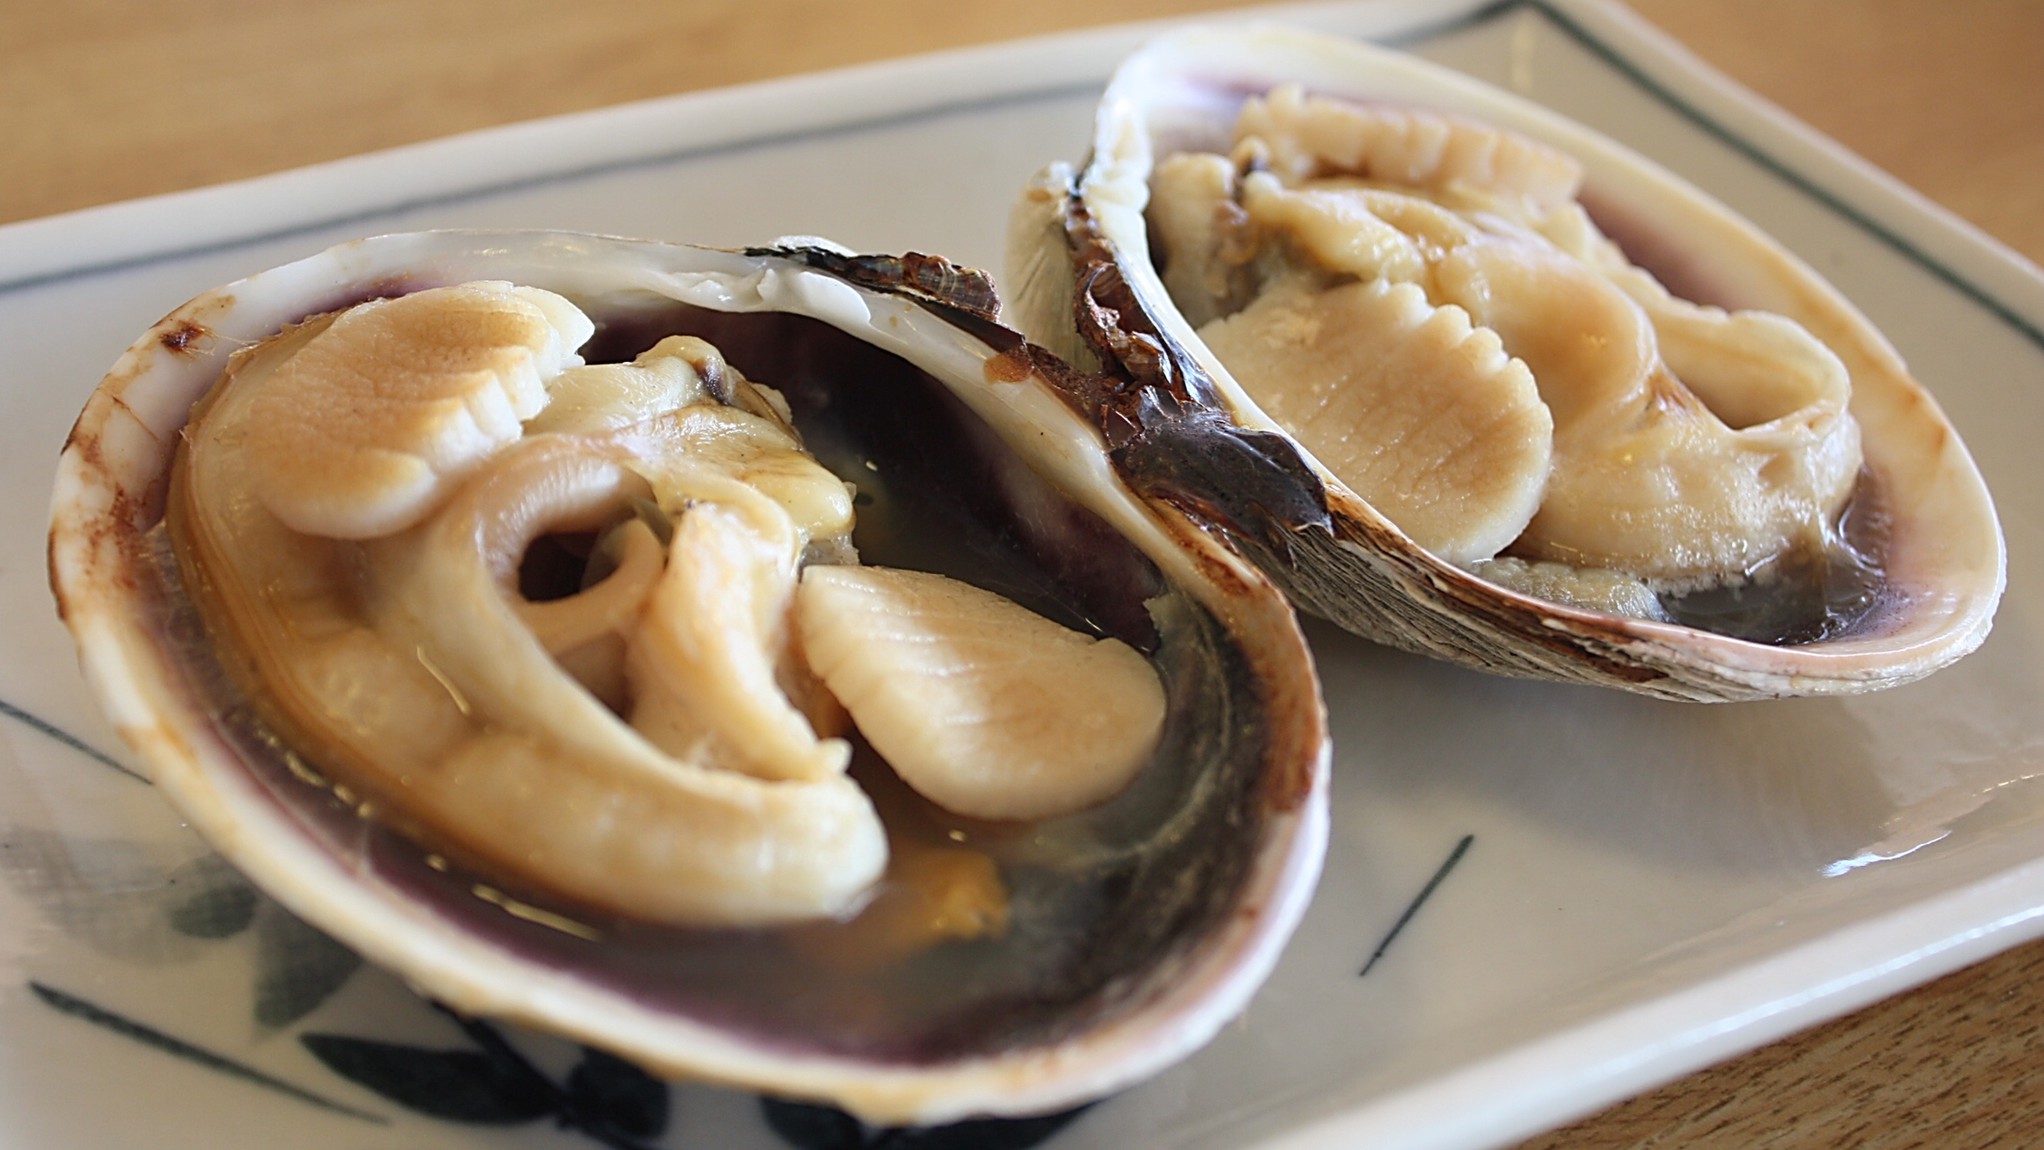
494 600
1471 380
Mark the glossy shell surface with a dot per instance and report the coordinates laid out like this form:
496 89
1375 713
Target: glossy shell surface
1162 963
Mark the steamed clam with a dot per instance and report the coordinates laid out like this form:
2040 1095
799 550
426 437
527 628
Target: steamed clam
1400 316
745 662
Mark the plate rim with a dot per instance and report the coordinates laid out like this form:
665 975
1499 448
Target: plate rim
1885 953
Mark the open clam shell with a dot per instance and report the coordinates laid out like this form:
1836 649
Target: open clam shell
1083 279
1136 927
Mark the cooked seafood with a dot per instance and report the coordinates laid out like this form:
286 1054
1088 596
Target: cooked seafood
1498 438
476 595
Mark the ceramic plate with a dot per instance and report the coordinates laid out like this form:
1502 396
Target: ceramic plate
1538 900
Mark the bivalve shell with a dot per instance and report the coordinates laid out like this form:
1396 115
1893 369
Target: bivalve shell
1922 555
1133 929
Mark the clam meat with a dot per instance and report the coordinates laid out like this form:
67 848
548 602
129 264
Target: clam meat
747 662
1483 429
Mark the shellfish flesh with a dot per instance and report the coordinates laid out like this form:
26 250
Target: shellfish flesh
1451 413
656 645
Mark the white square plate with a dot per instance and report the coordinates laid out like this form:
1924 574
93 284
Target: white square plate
1638 888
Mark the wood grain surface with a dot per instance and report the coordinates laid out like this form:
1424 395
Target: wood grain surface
103 100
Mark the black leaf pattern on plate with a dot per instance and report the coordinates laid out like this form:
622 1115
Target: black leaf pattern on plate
455 1085
809 1127
978 1133
213 901
604 1089
110 894
116 897
297 968
605 1099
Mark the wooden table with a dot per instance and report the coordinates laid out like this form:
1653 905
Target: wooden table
103 100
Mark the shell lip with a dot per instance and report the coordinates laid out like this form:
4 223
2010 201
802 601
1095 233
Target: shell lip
1183 80
963 294
1165 422
108 493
